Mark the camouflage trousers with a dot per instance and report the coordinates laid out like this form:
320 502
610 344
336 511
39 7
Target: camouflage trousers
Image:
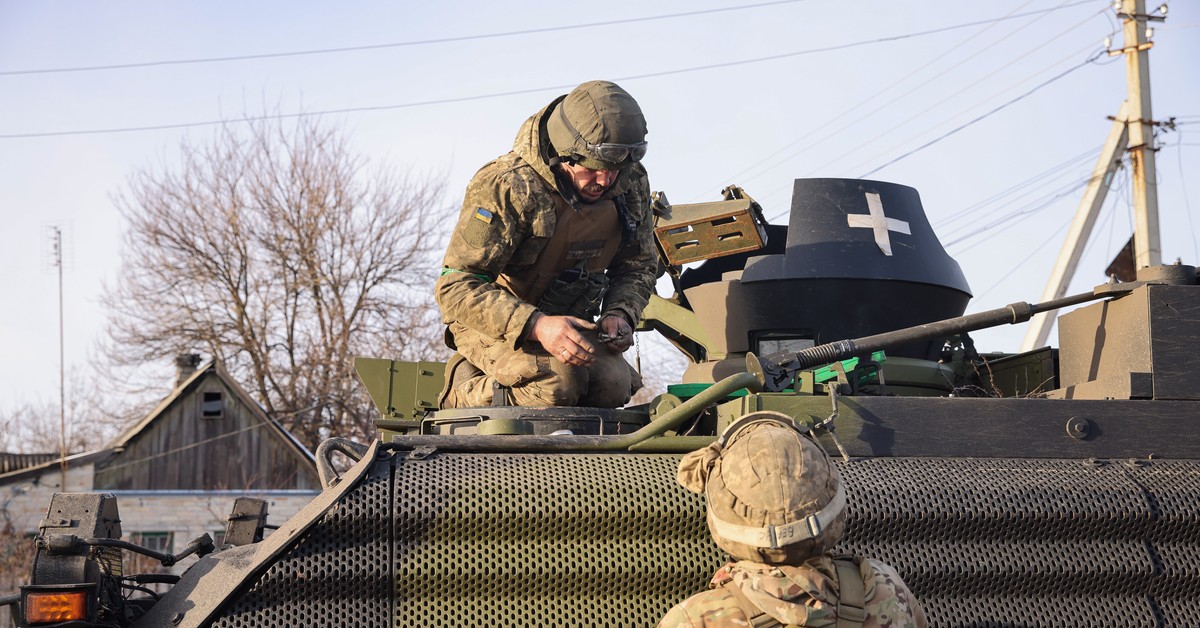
537 378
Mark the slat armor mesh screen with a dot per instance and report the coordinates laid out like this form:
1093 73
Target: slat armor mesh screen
553 539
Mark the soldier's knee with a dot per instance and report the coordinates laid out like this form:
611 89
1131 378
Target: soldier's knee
553 397
610 385
562 387
607 398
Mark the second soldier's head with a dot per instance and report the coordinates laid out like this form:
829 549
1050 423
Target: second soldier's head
773 494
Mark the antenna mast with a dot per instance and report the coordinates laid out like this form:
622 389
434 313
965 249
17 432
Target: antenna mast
1133 131
62 379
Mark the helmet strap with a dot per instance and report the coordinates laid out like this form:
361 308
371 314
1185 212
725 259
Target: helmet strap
775 537
570 160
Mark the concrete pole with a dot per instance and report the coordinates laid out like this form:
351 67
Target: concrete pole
1081 229
1133 130
1147 248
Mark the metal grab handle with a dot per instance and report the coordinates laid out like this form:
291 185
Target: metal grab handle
329 476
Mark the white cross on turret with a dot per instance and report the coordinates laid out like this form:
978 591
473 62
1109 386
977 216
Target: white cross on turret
879 222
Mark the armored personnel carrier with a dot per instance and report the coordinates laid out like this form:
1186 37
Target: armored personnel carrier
1059 486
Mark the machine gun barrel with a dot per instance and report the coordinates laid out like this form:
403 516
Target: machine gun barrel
780 368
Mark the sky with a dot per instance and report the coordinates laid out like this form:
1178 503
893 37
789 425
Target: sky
1004 125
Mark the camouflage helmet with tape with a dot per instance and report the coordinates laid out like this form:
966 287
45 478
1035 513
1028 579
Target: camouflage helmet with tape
598 126
773 494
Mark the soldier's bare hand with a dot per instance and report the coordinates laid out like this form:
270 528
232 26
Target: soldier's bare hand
617 333
562 337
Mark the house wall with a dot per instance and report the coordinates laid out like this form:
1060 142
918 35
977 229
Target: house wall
23 502
186 515
183 450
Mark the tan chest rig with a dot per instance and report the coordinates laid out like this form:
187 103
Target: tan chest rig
568 277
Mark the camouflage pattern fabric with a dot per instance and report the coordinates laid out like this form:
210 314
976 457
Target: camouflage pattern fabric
766 473
508 215
804 595
536 378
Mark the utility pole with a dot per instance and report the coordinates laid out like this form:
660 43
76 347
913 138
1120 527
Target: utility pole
1132 131
1147 249
62 369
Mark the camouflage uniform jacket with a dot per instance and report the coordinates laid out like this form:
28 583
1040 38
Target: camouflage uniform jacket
806 595
516 194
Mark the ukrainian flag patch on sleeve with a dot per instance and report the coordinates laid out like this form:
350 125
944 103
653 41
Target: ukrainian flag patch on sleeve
481 228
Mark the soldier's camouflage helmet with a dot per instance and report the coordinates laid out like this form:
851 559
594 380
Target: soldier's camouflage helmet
598 126
773 494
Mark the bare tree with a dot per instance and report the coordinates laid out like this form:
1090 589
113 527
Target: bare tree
34 426
273 248
16 557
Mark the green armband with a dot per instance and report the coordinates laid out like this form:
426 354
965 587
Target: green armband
445 271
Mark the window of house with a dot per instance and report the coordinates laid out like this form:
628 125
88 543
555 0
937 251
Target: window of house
158 541
213 405
162 542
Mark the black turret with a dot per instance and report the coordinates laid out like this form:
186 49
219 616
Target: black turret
858 258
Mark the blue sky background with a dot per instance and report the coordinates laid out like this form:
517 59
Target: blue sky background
760 124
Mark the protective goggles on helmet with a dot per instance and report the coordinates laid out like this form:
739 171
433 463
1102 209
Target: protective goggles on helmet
609 153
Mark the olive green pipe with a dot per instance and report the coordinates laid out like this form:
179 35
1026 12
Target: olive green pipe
672 444
526 443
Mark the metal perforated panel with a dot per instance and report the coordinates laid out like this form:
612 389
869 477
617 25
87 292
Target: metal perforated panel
1004 542
498 539
545 539
337 574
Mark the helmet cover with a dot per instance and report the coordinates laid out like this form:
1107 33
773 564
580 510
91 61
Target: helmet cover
599 126
773 494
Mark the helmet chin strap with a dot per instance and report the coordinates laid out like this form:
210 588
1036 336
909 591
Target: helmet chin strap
570 160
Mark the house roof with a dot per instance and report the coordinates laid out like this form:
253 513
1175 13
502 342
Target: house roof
51 465
187 385
134 431
15 461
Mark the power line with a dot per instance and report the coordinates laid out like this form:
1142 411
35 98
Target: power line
1027 209
979 118
1012 270
872 99
445 101
1023 188
1106 223
967 124
962 90
1018 265
400 44
1187 204
283 116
